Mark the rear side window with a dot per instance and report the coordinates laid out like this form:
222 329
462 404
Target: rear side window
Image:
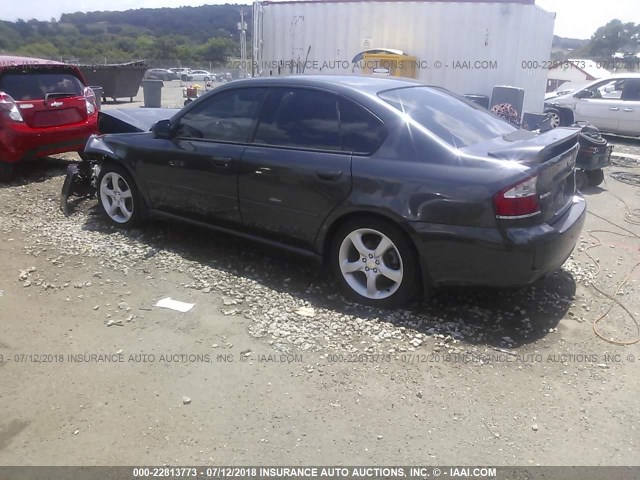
300 118
226 117
361 131
454 121
33 85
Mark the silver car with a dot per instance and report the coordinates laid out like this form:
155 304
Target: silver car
611 104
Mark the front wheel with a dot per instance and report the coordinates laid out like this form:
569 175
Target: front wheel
375 263
207 79
118 196
554 117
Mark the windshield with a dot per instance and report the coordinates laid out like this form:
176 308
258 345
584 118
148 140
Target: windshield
457 122
34 86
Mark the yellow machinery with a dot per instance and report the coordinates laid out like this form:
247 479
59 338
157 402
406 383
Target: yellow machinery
388 64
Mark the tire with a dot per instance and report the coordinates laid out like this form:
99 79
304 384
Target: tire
207 79
555 117
595 177
581 180
358 269
6 171
117 187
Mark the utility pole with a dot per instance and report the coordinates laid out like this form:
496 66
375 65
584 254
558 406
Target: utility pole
242 27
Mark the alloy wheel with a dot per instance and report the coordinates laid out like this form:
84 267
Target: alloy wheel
554 121
116 197
371 264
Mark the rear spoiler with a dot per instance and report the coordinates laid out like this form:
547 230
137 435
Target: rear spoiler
539 148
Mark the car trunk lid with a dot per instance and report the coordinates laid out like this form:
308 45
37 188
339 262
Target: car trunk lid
549 157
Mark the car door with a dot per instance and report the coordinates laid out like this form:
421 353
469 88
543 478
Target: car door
193 174
630 115
295 172
601 105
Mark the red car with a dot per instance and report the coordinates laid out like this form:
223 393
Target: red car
45 108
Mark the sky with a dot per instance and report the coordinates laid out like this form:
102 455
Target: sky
575 18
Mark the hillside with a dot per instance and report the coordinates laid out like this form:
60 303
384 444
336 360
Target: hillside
164 35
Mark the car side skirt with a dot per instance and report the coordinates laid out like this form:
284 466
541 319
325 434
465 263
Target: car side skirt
248 236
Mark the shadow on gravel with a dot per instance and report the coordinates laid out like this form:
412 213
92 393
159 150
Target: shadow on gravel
477 315
40 170
593 190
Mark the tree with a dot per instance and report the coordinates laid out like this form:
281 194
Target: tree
614 37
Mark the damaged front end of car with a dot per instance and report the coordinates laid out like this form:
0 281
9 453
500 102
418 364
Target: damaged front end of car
81 178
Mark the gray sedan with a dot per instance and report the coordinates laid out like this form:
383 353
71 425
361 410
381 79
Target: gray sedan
396 186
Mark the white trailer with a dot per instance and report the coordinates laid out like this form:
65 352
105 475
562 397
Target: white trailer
466 46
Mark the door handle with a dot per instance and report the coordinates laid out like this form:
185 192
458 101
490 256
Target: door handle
614 109
628 109
222 162
176 163
328 174
264 171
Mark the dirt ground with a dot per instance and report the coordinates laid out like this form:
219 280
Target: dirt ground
273 366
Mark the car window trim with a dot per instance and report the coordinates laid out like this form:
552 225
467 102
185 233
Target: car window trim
293 147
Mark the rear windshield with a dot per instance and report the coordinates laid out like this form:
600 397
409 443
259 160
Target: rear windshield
35 85
456 121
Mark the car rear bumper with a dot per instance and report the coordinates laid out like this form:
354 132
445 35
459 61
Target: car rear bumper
483 256
20 142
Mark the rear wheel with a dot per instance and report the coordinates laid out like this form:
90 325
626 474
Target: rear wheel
207 79
6 171
374 263
118 196
595 177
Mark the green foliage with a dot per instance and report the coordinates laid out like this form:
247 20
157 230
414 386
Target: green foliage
164 37
615 37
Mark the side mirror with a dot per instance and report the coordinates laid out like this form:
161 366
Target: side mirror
161 129
583 94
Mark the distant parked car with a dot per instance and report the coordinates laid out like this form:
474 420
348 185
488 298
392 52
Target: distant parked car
611 104
180 70
395 185
160 74
45 108
200 76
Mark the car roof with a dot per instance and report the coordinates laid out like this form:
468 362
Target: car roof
10 61
370 84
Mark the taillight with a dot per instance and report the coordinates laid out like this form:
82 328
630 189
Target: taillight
8 104
90 100
518 201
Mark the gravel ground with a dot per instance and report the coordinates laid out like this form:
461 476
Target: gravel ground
272 365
